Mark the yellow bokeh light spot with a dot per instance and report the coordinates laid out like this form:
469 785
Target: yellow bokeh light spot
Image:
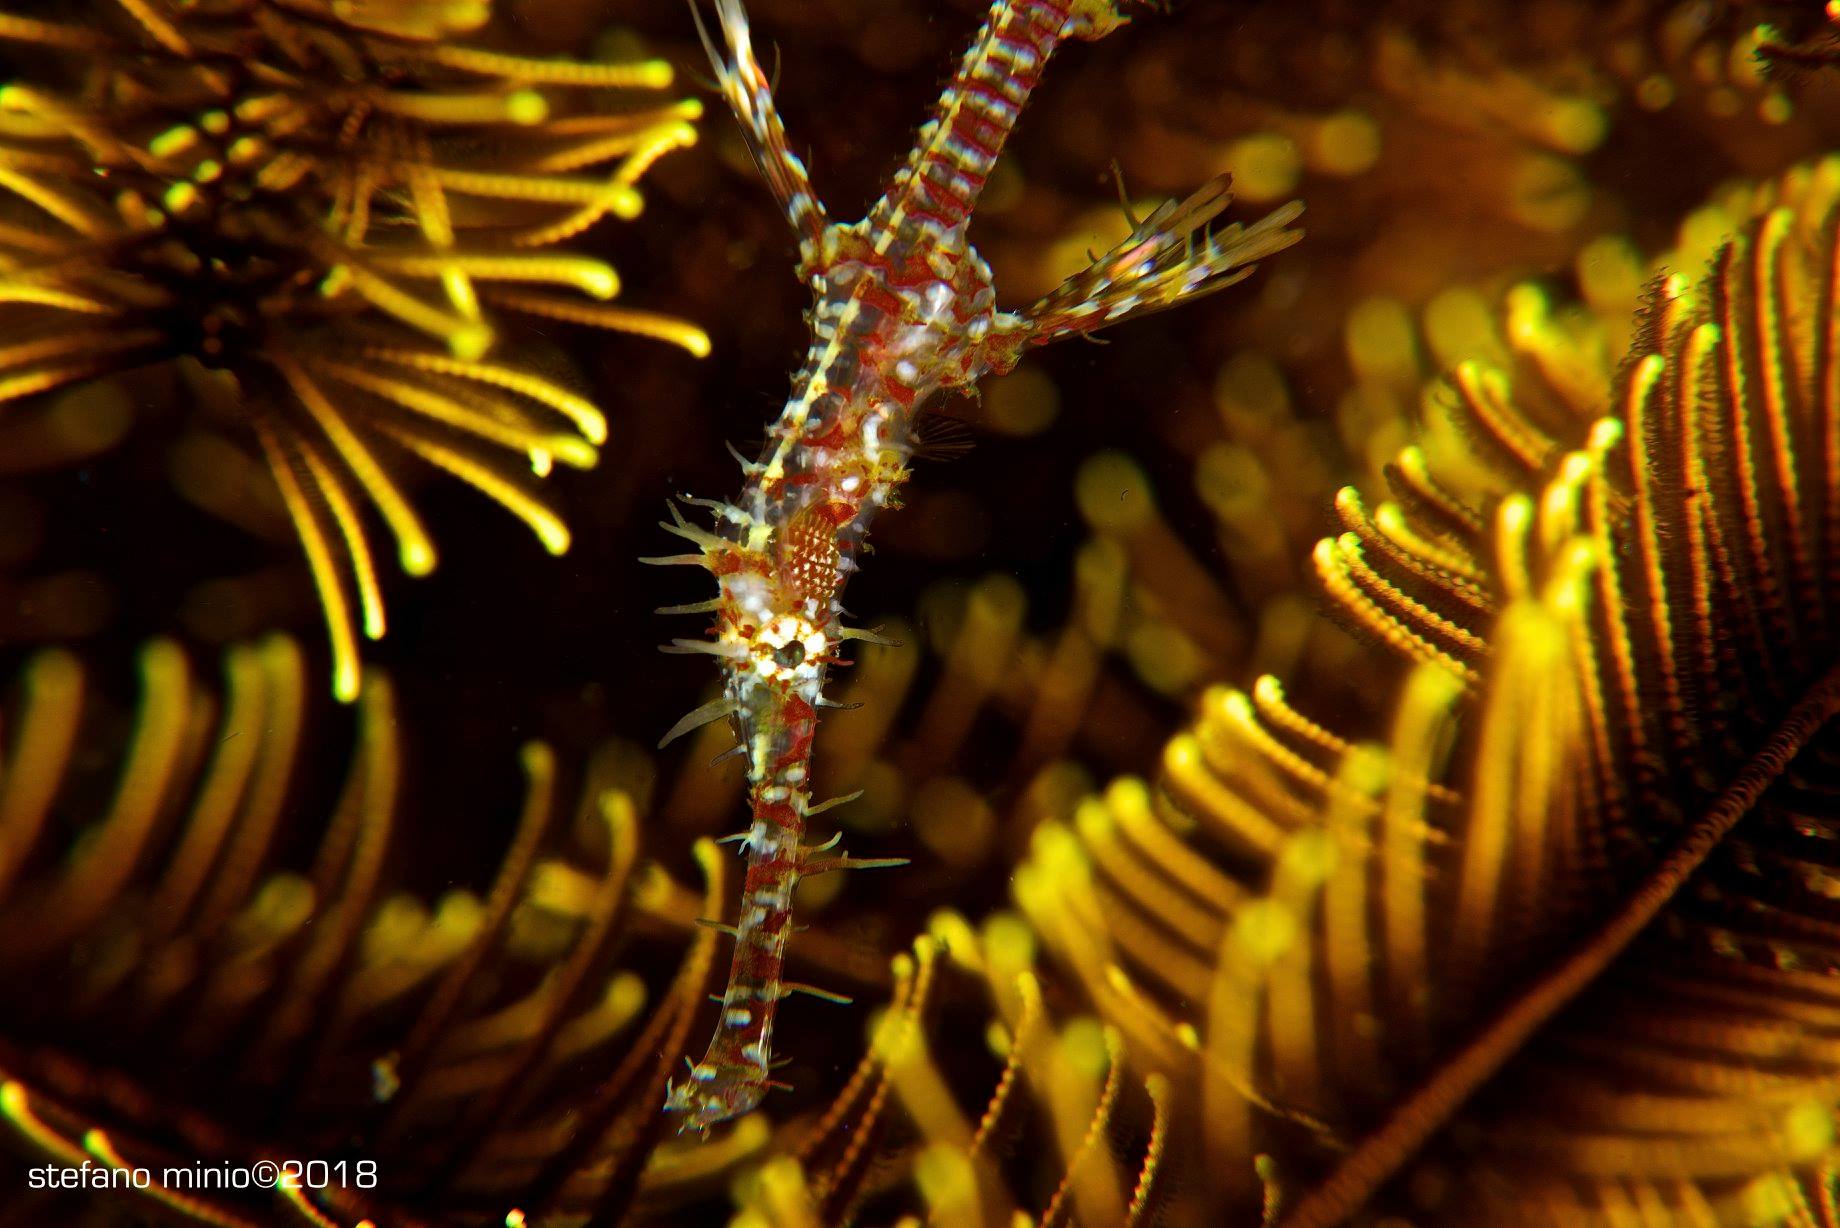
1345 144
1381 341
954 821
1232 481
1008 941
1655 93
1547 193
1250 392
1809 1129
1311 855
1460 325
1022 403
1167 660
1083 1044
1610 273
945 1177
1701 236
526 107
1264 930
1576 125
1113 493
469 342
1265 166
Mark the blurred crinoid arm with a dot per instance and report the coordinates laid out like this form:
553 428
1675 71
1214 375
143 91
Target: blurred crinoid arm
1801 39
1052 1088
905 309
329 225
208 958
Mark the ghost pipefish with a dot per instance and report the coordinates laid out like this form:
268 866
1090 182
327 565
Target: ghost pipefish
904 310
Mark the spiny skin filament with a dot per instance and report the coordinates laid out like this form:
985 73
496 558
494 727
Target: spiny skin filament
904 309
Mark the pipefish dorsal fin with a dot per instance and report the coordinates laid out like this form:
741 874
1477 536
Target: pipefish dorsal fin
940 435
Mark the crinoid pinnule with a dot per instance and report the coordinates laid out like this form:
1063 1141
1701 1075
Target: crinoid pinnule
902 1139
335 207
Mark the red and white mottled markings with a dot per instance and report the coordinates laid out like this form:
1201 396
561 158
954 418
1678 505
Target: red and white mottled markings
903 310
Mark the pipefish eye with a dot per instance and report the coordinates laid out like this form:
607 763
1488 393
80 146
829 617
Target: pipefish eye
790 656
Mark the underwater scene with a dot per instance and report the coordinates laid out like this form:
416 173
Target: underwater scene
1249 593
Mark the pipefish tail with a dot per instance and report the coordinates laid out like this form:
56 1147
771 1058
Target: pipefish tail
904 309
